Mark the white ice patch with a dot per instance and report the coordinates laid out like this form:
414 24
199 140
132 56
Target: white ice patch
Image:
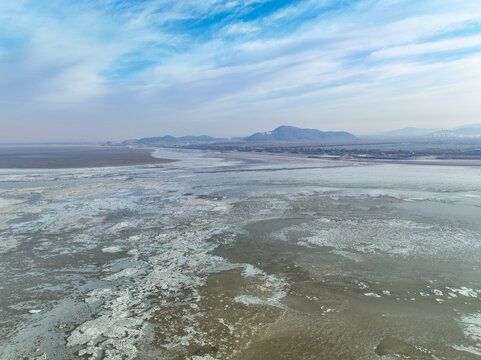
98 294
251 270
469 349
472 326
7 204
372 294
203 357
128 272
8 243
115 322
465 291
221 208
386 236
362 285
305 244
112 249
123 319
249 300
272 288
120 226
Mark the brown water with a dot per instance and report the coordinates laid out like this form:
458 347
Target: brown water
73 156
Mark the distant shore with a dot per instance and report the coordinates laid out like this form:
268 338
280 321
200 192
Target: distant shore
74 156
421 160
447 154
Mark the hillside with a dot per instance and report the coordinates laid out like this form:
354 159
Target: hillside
294 134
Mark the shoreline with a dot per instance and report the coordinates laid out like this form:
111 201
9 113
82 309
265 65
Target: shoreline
406 154
95 156
421 160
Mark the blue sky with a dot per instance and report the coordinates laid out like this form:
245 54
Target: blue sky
95 70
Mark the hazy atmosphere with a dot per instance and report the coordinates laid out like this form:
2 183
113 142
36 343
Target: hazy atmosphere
113 70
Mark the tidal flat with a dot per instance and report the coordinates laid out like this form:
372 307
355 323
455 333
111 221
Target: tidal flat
241 256
73 156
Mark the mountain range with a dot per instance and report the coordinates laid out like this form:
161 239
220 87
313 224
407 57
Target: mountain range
291 134
294 134
280 134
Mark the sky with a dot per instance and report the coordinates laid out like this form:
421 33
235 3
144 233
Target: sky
121 69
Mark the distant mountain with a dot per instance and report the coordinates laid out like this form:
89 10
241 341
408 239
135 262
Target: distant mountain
176 140
294 134
409 132
280 134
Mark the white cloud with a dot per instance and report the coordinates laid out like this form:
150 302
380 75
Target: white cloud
241 28
85 54
449 45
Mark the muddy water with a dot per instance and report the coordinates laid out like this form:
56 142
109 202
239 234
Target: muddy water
240 256
348 307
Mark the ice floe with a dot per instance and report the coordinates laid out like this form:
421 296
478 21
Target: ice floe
372 294
112 249
464 291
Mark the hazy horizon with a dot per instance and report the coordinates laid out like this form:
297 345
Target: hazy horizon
373 136
115 70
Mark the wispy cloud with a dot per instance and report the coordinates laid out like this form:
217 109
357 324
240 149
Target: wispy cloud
462 43
226 66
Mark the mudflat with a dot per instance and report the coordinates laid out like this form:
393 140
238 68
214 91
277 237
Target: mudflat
73 156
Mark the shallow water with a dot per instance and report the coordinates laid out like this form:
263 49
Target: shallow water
241 256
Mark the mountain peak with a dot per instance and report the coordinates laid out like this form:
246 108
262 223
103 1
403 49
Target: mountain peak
286 133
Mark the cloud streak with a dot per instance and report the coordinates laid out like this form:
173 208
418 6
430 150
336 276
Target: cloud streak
230 67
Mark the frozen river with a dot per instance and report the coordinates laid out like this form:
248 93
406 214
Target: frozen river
241 256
